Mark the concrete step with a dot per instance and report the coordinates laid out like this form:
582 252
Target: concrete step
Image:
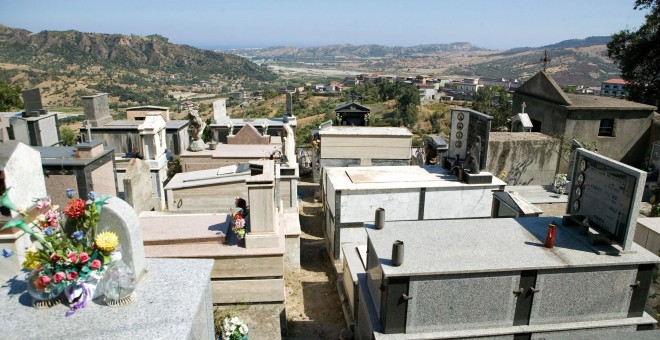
174 229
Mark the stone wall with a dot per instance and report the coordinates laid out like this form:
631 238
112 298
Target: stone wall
529 158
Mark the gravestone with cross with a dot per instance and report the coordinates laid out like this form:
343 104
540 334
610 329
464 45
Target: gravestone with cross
466 126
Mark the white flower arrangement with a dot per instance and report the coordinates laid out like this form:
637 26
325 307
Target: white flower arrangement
234 328
560 183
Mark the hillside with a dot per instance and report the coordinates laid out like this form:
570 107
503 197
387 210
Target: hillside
104 62
574 61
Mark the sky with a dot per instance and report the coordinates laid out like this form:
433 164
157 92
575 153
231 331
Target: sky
218 24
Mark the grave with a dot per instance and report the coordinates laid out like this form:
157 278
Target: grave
20 170
180 286
248 272
343 146
468 145
124 135
231 126
353 114
495 278
435 150
407 193
521 121
35 126
84 168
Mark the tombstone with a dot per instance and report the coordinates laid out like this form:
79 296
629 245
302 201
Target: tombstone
119 217
289 141
220 111
138 191
604 202
248 135
97 109
470 131
152 135
32 103
4 124
20 170
289 104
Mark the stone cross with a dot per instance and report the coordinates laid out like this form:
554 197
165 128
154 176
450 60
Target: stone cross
545 60
4 124
88 126
523 107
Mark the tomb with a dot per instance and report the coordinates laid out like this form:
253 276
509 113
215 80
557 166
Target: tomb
435 150
246 272
124 135
35 126
535 277
179 286
495 278
353 114
84 168
342 146
231 126
20 170
407 193
138 190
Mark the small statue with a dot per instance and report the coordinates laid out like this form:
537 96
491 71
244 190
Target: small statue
196 126
474 156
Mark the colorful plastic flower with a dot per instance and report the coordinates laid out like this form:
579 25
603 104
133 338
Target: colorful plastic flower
92 195
71 275
59 276
78 235
49 231
31 260
83 257
44 279
52 217
107 241
7 252
96 264
75 208
43 203
69 193
72 257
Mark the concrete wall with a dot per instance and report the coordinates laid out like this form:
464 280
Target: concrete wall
56 186
218 197
529 158
365 147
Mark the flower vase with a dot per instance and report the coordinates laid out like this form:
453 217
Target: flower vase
43 296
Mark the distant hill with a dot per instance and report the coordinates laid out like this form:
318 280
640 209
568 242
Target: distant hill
333 52
134 69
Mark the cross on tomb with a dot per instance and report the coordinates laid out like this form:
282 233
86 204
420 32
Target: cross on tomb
4 124
545 60
523 107
89 131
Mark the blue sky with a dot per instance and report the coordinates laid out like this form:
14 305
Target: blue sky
260 23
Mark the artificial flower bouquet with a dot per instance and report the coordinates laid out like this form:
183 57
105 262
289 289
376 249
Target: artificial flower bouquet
560 183
69 257
238 218
234 328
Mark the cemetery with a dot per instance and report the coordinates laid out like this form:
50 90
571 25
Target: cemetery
438 250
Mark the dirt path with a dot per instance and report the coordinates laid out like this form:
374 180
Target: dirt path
312 302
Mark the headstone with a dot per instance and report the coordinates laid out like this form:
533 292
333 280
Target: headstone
289 104
138 191
97 109
248 135
466 126
119 217
605 197
263 222
289 144
220 111
88 127
32 101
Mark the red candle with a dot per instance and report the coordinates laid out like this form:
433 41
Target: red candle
550 236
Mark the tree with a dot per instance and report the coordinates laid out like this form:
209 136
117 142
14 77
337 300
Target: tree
496 102
407 104
68 136
638 55
10 97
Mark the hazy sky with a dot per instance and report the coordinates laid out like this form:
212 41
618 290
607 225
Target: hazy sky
261 23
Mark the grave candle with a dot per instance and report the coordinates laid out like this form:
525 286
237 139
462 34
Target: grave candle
550 236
